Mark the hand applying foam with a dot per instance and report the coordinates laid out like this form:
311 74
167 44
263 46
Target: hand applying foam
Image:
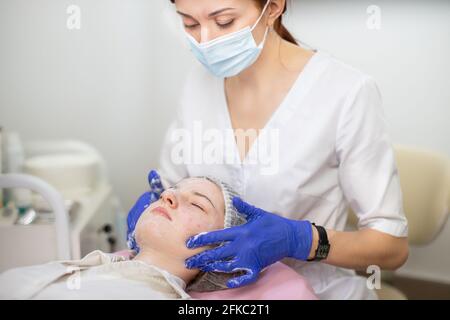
156 188
265 239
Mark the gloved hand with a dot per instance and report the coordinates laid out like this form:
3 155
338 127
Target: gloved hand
265 239
156 188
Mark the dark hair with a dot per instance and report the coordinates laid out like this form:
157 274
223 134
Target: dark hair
278 26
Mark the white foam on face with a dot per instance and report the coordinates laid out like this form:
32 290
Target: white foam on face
248 271
234 281
194 238
211 225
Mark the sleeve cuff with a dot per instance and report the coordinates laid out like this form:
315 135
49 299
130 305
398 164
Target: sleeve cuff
396 228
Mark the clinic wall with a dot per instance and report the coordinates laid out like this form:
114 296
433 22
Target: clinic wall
115 82
103 84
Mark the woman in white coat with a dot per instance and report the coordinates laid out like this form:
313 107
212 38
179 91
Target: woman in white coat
300 135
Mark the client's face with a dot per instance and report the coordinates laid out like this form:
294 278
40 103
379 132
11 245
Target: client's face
190 207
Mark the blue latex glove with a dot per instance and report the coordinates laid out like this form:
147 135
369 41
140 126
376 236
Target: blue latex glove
265 239
156 188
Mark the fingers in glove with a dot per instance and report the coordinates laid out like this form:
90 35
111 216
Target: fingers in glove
210 256
213 237
249 211
250 277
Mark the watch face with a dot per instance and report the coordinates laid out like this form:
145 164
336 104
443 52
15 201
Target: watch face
322 251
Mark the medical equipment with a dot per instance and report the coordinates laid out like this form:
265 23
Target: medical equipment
8 214
65 228
28 217
73 174
14 157
285 237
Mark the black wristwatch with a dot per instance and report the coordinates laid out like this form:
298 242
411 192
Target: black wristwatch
324 246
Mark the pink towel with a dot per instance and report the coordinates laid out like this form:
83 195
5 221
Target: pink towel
277 282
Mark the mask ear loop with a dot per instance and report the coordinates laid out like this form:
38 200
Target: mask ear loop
267 28
264 38
262 14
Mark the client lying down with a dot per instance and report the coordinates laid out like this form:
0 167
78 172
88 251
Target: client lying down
192 206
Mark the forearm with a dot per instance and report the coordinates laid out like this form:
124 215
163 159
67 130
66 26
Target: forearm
360 249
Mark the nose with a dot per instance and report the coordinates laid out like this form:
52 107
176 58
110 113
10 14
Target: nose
170 199
204 36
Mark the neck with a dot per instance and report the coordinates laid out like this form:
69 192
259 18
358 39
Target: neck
171 263
265 67
278 59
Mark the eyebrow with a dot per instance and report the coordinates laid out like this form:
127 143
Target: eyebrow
212 14
176 187
204 196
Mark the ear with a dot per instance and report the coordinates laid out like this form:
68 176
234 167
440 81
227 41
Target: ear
275 9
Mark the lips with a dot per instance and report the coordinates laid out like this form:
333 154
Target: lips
163 212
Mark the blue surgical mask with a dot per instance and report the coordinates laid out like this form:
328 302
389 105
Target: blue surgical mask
230 54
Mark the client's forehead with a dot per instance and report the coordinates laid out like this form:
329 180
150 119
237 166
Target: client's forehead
198 182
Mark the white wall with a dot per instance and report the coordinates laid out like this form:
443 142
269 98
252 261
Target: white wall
115 83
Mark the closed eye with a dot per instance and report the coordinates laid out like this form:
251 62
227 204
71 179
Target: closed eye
224 25
191 26
196 205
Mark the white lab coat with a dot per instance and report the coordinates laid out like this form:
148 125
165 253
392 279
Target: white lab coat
333 151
